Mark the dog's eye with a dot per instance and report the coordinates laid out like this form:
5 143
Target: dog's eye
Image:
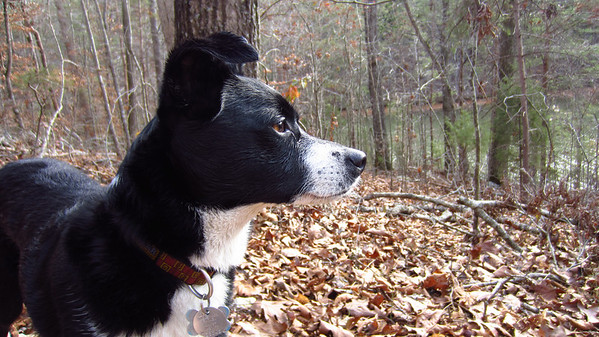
280 127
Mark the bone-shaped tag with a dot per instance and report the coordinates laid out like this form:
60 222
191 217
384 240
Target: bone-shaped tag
208 322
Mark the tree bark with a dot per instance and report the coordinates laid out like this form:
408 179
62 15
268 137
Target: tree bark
475 121
201 18
501 127
156 45
7 74
449 116
167 22
381 149
525 178
132 111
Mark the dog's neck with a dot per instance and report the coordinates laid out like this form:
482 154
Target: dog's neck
156 214
208 237
226 234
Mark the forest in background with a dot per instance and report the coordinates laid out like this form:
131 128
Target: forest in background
454 102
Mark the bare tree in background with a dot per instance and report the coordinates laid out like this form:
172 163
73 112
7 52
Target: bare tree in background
9 58
132 110
82 100
501 127
381 149
525 178
156 45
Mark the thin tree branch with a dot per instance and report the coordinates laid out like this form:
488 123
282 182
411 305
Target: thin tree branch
498 228
451 206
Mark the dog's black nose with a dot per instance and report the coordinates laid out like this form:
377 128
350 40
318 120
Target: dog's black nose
357 158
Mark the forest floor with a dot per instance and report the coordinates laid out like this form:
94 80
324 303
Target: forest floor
371 265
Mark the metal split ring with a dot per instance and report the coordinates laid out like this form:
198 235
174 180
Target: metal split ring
196 293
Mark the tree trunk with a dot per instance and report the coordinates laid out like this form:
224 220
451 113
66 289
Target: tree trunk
7 74
81 98
381 160
167 22
201 18
448 101
156 45
132 109
525 178
96 61
501 127
550 13
449 116
475 120
115 83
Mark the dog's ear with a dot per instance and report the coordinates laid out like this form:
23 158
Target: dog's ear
195 73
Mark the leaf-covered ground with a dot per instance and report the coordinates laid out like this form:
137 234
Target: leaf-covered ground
357 268
337 270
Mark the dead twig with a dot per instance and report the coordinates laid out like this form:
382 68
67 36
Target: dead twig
449 205
442 222
492 222
518 278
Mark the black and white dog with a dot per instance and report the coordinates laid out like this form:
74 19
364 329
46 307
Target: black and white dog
116 260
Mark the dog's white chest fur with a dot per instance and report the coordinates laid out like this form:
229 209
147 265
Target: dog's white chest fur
226 235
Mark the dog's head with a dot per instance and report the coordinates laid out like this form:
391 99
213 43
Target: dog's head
236 141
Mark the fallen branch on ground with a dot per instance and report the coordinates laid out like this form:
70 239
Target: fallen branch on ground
449 205
492 222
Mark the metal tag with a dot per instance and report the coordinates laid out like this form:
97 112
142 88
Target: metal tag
209 322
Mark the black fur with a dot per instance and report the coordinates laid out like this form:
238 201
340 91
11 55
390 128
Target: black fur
68 244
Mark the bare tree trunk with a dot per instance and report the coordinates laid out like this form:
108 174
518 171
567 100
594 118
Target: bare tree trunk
133 118
381 148
115 83
473 81
98 70
448 101
7 74
156 45
82 99
550 13
449 116
204 17
501 127
167 21
59 106
525 146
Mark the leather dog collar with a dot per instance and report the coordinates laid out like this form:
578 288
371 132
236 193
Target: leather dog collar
175 267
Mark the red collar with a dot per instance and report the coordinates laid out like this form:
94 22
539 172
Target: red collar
171 265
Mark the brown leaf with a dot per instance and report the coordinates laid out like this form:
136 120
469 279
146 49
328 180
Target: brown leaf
302 299
438 281
504 271
358 308
377 300
546 290
335 331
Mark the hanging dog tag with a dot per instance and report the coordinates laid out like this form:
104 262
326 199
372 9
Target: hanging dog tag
209 322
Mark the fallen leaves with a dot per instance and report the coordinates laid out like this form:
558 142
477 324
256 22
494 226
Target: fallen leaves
340 271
